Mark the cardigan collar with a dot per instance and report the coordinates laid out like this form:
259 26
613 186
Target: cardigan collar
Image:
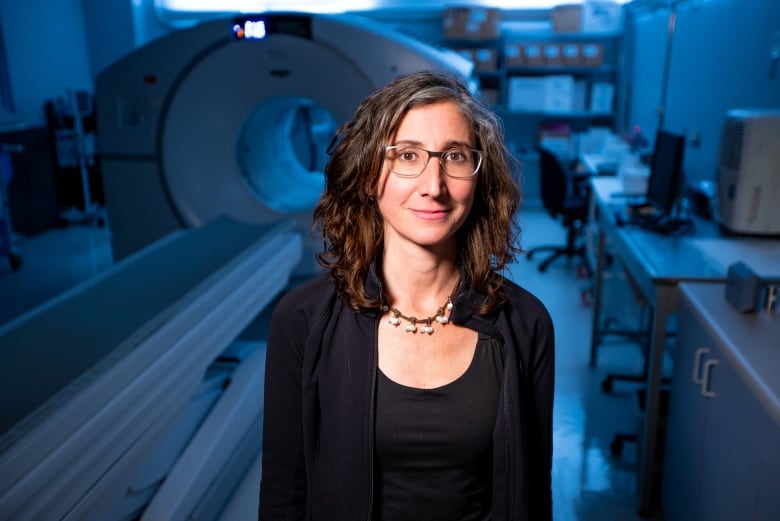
464 301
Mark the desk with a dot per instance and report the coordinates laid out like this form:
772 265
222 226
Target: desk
658 263
599 164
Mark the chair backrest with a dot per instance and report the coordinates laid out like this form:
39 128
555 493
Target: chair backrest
554 181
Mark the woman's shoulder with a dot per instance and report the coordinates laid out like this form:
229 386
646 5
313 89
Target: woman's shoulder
524 302
307 295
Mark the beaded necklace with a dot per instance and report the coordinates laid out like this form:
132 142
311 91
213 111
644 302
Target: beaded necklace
426 327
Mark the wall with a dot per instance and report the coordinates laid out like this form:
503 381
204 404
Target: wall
719 61
109 30
52 46
46 51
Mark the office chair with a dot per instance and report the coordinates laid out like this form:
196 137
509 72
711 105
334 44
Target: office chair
564 195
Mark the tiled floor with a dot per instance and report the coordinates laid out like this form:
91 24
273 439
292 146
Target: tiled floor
52 262
588 483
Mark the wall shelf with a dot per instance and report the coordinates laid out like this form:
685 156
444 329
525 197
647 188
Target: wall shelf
593 62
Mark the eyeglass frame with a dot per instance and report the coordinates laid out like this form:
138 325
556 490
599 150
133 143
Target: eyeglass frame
432 153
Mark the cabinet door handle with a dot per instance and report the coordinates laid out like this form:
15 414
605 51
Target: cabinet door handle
697 364
705 384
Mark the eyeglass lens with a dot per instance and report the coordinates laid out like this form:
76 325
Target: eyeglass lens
410 161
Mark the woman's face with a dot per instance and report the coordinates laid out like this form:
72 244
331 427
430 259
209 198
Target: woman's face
427 210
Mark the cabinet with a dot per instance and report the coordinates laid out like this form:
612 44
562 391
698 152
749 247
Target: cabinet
722 456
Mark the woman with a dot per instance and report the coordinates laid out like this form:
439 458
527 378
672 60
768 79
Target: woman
412 381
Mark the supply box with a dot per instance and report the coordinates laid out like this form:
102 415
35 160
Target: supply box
567 18
518 55
589 17
471 23
554 93
485 59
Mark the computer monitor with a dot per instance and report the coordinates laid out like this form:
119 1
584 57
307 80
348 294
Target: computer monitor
665 183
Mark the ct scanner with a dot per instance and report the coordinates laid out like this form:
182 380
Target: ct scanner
234 116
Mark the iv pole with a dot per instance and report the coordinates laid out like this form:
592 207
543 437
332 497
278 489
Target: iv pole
90 211
671 26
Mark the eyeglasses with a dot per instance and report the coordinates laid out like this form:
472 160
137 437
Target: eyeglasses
408 161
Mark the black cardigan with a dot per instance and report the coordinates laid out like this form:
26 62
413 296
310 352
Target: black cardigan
320 378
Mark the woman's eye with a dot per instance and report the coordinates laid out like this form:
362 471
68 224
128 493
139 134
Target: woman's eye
456 156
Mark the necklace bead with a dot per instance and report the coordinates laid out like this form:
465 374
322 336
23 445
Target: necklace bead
440 317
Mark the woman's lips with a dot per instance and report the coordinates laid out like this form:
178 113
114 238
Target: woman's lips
430 215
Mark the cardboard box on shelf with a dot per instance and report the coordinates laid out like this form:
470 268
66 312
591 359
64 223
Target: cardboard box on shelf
560 93
592 54
553 93
567 18
474 23
526 94
570 54
513 55
485 60
580 95
601 96
532 54
601 17
551 53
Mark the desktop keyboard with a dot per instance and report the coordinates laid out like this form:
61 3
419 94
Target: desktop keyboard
664 224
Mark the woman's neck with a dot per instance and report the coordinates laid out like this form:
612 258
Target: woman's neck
418 282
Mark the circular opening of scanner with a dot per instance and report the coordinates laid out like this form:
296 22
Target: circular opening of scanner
282 150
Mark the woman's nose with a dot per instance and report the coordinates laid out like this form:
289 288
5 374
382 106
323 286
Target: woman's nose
432 178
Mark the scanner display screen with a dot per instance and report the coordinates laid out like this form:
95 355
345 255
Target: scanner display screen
258 27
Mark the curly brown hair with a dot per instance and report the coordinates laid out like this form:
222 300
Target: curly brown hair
348 218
